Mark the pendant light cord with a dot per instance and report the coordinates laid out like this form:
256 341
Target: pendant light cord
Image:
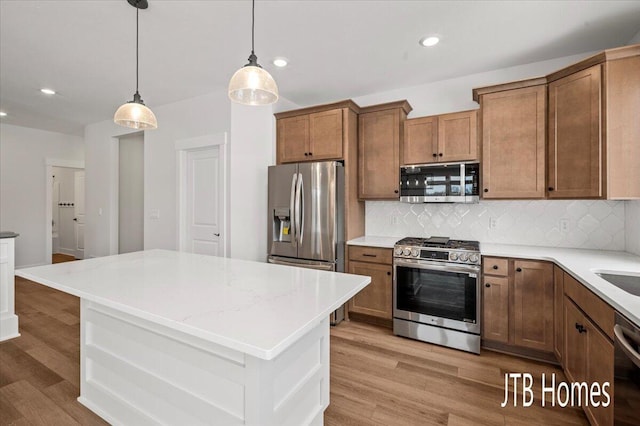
253 23
137 50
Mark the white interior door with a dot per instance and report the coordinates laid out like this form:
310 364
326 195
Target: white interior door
203 209
78 189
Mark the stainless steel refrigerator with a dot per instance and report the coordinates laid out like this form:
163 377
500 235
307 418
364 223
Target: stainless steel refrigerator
306 216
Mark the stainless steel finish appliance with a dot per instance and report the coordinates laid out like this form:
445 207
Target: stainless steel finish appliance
440 183
436 291
626 386
306 212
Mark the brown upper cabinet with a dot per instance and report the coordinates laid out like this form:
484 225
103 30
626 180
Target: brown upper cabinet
513 125
314 134
440 138
379 140
594 128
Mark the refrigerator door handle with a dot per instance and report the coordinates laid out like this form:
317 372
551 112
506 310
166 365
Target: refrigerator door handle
300 208
292 206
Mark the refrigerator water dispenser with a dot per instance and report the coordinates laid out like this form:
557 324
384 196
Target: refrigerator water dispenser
282 224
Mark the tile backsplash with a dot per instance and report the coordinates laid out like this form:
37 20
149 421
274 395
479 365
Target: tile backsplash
632 226
579 224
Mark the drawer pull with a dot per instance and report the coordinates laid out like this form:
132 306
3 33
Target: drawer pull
518 269
388 273
580 328
495 266
369 255
487 285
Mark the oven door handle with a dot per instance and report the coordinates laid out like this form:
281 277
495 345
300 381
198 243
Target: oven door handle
625 345
447 267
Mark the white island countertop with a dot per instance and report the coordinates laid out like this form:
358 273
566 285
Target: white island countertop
582 265
256 308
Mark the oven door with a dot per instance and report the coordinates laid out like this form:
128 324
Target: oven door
437 293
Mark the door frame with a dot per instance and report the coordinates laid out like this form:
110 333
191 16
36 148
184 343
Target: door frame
182 147
49 164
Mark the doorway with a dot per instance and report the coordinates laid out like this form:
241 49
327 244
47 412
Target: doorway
202 189
65 210
131 193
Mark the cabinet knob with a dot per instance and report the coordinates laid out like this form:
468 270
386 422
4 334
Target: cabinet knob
388 273
311 153
518 269
495 266
306 153
486 190
487 285
580 328
550 188
435 155
396 191
440 155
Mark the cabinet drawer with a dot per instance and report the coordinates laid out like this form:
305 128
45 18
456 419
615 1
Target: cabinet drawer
599 311
495 266
371 254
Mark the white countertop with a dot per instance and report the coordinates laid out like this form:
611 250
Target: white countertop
256 308
372 241
580 263
583 265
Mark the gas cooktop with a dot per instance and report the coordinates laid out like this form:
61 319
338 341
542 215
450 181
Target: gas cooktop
440 249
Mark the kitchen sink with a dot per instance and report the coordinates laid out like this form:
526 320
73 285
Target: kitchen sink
628 283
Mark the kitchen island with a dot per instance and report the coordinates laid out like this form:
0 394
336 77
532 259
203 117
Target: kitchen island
8 317
177 338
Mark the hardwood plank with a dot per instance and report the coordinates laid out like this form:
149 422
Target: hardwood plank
16 365
34 405
65 395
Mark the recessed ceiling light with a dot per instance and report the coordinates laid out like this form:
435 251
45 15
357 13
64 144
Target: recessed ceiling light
48 91
3 114
429 41
280 62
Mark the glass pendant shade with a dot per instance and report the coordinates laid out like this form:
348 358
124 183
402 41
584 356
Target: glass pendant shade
252 85
135 115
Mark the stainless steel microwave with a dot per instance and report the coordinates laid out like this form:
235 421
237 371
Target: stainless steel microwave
440 183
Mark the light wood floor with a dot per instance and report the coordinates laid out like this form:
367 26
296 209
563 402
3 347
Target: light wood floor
376 378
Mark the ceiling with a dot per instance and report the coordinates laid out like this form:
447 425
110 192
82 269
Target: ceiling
85 50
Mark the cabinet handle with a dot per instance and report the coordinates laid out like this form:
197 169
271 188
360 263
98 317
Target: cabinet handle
518 269
580 328
306 153
495 266
396 191
388 273
435 155
550 188
486 190
487 285
369 255
217 234
311 153
440 155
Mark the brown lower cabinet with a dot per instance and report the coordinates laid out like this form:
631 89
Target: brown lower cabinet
518 301
588 351
374 303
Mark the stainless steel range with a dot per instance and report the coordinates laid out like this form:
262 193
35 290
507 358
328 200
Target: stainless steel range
436 291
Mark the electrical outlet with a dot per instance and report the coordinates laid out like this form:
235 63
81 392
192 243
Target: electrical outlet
564 225
493 223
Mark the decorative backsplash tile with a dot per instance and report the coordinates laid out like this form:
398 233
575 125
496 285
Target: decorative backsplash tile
579 224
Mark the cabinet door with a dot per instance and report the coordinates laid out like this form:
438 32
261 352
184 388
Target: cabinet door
513 143
558 317
575 151
325 135
575 346
376 298
533 305
420 144
292 139
457 137
600 362
495 309
378 156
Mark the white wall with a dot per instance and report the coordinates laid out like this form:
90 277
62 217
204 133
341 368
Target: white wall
23 185
131 193
632 225
204 115
252 152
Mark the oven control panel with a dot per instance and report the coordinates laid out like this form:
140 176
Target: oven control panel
455 256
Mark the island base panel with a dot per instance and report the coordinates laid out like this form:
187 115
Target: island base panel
134 371
8 318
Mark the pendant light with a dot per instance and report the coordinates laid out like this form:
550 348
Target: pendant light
251 84
135 114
